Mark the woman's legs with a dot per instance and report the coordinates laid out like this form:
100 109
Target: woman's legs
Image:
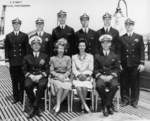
64 94
82 94
58 100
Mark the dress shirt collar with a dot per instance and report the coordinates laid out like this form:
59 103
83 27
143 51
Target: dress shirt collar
16 32
107 28
86 30
40 33
36 54
106 52
62 26
130 34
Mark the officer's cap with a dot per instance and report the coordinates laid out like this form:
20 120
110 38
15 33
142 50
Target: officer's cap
85 17
16 20
129 21
39 20
107 15
105 38
61 13
35 39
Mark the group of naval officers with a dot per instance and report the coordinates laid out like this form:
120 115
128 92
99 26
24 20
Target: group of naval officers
118 60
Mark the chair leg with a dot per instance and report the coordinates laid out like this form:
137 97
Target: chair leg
49 93
24 100
96 102
45 96
71 102
92 94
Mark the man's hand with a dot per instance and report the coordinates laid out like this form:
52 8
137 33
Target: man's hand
141 68
38 77
32 77
103 77
108 78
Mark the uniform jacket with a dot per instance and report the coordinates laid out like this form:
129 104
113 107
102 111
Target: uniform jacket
16 47
36 66
106 65
132 50
115 42
67 33
47 43
89 38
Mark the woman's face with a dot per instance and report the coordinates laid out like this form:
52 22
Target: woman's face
60 49
82 47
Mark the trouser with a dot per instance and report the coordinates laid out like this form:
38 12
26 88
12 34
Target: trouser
30 85
129 85
107 97
17 78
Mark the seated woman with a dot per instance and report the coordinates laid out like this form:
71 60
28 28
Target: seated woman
106 68
60 70
36 70
82 68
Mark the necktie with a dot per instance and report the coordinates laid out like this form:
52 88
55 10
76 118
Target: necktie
16 34
107 30
106 53
36 55
40 34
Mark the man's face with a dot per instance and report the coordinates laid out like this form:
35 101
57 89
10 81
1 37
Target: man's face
40 26
85 23
129 27
36 47
107 21
16 26
106 45
62 19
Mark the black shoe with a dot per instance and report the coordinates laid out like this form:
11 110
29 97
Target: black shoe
15 101
32 114
134 105
123 104
105 112
55 113
37 113
110 111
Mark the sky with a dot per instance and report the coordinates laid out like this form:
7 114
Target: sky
48 9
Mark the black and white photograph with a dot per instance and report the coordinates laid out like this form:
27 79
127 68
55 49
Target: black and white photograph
74 60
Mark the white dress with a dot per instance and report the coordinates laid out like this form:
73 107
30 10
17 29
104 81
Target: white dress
82 66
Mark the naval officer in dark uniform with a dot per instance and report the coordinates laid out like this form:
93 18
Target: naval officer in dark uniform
132 61
86 34
47 43
108 29
106 69
36 70
64 31
16 46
